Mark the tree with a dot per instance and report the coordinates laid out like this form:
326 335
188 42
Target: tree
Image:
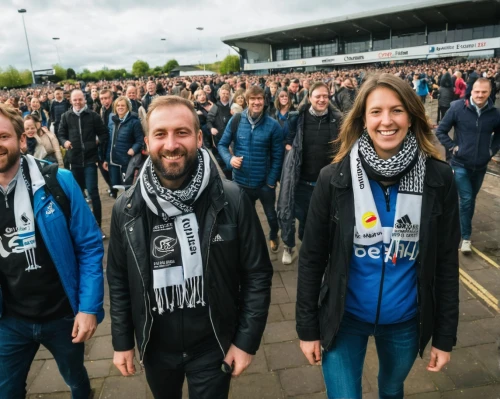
230 64
171 64
60 72
70 73
140 68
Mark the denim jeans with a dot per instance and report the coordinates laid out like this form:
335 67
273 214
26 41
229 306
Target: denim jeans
468 185
86 177
303 194
19 342
267 197
397 348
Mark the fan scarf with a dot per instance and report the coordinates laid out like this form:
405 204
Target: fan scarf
178 285
407 166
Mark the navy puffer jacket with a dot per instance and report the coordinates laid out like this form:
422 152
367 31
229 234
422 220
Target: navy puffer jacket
123 136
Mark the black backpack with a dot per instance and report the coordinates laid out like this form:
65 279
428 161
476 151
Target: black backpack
235 122
52 186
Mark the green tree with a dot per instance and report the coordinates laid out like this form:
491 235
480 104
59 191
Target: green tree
230 64
26 77
140 68
60 72
171 64
70 73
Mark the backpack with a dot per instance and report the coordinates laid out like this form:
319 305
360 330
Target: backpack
52 186
235 122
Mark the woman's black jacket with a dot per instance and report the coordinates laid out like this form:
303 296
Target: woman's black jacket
237 270
327 248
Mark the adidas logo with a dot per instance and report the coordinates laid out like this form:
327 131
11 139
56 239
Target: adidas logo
217 238
405 224
404 220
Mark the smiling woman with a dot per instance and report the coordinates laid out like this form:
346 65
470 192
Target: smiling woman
384 178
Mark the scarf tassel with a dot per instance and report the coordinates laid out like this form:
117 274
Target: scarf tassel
188 294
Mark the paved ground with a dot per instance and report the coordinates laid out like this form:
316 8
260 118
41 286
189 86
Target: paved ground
279 369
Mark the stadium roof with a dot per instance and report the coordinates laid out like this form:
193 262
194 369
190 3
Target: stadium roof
406 16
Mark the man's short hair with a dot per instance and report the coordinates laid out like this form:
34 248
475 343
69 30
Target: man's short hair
172 101
295 81
482 80
106 91
225 87
254 91
58 88
317 85
13 116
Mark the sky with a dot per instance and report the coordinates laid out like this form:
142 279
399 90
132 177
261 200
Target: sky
115 33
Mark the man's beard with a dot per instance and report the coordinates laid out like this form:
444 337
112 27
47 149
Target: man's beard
12 158
174 172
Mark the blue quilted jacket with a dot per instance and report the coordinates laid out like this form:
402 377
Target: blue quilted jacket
261 148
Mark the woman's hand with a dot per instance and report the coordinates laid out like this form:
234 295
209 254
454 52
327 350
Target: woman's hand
131 152
312 351
438 360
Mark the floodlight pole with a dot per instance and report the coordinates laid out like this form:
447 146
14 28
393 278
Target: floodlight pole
23 11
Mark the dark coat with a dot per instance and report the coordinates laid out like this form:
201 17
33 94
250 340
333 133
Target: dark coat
217 118
446 96
326 253
237 271
123 136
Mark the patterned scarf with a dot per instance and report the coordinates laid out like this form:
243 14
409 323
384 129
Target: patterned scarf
174 284
407 166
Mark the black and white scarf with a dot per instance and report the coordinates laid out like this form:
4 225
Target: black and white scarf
184 282
407 166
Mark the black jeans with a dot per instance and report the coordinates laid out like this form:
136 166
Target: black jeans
267 197
441 113
165 374
86 177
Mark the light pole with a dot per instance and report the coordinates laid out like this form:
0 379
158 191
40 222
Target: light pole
165 40
23 11
58 58
200 28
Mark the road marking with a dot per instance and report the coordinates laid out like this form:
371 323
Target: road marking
479 290
486 258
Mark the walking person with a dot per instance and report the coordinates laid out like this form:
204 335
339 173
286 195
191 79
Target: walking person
188 268
385 214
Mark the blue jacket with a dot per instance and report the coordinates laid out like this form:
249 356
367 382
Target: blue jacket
77 253
261 148
473 133
422 86
122 137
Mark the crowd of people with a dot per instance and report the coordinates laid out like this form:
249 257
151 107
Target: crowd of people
379 217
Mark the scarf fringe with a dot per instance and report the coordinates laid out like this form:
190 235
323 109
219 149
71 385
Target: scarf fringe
187 295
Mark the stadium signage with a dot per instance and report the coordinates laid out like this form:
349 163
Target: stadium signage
418 52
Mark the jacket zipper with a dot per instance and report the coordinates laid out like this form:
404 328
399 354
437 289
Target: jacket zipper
209 307
115 133
387 196
81 140
146 301
477 138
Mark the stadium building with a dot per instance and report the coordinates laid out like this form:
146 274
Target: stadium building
444 28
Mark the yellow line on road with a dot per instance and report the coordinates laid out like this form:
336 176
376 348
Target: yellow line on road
486 258
479 290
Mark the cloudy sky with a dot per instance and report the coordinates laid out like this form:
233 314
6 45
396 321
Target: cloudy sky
115 33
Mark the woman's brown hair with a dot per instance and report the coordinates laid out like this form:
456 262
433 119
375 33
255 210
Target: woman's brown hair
354 122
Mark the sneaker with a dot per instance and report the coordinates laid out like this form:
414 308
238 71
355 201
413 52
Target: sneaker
103 235
287 255
275 245
466 247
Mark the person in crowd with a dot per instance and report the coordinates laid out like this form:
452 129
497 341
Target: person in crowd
217 120
476 123
236 109
209 92
202 106
34 146
445 97
472 76
309 141
460 86
294 90
53 281
58 107
77 134
44 138
422 87
125 141
131 94
239 98
271 97
37 110
45 105
258 157
285 113
373 218
345 96
150 95
182 211
96 103
106 98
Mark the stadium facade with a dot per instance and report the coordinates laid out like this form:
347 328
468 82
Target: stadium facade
445 28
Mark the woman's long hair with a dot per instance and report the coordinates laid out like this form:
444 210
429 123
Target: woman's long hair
354 122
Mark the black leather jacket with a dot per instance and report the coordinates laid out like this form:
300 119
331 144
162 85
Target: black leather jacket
327 248
237 270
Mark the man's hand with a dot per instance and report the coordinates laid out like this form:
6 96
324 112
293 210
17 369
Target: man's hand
84 327
124 361
288 147
236 162
312 351
438 360
67 145
239 359
105 165
131 152
214 131
454 150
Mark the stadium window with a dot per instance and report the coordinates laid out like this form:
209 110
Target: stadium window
307 51
279 54
408 38
381 41
489 31
325 49
357 45
291 53
436 35
496 31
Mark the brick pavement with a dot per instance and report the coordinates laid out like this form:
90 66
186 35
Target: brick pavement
279 369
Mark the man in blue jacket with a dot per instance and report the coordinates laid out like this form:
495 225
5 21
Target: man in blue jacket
258 157
476 141
51 277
